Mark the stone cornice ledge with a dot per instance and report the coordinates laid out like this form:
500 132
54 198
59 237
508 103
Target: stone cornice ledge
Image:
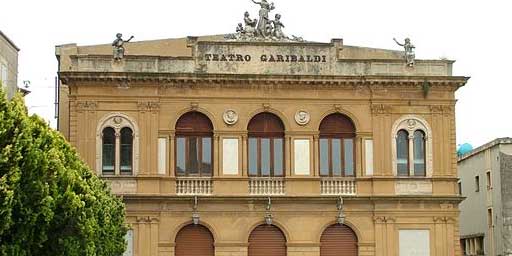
170 79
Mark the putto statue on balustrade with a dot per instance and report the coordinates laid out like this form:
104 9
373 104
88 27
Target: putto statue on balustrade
118 45
409 51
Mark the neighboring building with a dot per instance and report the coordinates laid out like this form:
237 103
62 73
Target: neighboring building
486 214
232 147
8 65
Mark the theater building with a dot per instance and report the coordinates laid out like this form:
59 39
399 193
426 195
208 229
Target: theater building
268 147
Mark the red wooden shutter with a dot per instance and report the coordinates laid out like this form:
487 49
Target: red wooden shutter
194 240
267 240
338 240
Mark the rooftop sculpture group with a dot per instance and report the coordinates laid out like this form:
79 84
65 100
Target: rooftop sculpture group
262 29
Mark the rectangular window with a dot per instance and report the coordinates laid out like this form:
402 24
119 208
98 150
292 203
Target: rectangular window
490 221
126 159
193 156
324 157
336 157
253 156
460 187
278 157
489 181
349 157
206 148
108 158
477 183
129 243
265 157
180 157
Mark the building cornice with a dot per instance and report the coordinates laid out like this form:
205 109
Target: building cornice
170 79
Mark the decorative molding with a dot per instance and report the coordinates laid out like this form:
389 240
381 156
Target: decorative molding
194 106
383 219
266 106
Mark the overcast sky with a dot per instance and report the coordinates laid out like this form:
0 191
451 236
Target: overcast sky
477 34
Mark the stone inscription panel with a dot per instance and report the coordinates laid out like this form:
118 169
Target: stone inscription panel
284 59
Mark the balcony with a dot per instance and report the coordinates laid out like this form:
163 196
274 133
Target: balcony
268 186
194 186
338 186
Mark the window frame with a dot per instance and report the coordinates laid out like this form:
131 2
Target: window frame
114 152
411 124
200 152
271 158
194 124
117 121
266 125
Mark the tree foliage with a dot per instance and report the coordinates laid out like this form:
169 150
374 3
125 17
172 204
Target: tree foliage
50 201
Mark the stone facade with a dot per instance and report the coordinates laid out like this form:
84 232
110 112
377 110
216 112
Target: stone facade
159 81
8 65
485 214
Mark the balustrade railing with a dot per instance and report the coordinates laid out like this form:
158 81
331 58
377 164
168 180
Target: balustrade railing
194 186
266 186
338 186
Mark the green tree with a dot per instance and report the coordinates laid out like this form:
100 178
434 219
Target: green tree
50 201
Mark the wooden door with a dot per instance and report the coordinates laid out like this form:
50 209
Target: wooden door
267 240
338 240
194 240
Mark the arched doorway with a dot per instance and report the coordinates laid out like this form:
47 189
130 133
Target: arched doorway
338 240
267 240
194 240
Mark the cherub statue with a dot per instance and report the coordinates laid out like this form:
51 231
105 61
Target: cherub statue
278 28
250 24
409 51
118 45
263 21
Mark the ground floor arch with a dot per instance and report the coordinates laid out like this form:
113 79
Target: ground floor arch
267 240
194 240
338 240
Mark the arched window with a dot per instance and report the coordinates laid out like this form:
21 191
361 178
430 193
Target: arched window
412 147
419 153
402 152
266 146
337 154
194 152
108 161
126 151
117 145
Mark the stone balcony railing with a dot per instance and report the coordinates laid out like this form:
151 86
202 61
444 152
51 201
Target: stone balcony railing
338 186
194 186
267 186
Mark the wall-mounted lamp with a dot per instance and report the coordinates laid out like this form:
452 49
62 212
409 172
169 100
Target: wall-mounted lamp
195 214
340 219
268 213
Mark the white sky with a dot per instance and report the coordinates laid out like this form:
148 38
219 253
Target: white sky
476 33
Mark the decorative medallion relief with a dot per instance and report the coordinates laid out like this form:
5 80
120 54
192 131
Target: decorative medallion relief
230 117
302 117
